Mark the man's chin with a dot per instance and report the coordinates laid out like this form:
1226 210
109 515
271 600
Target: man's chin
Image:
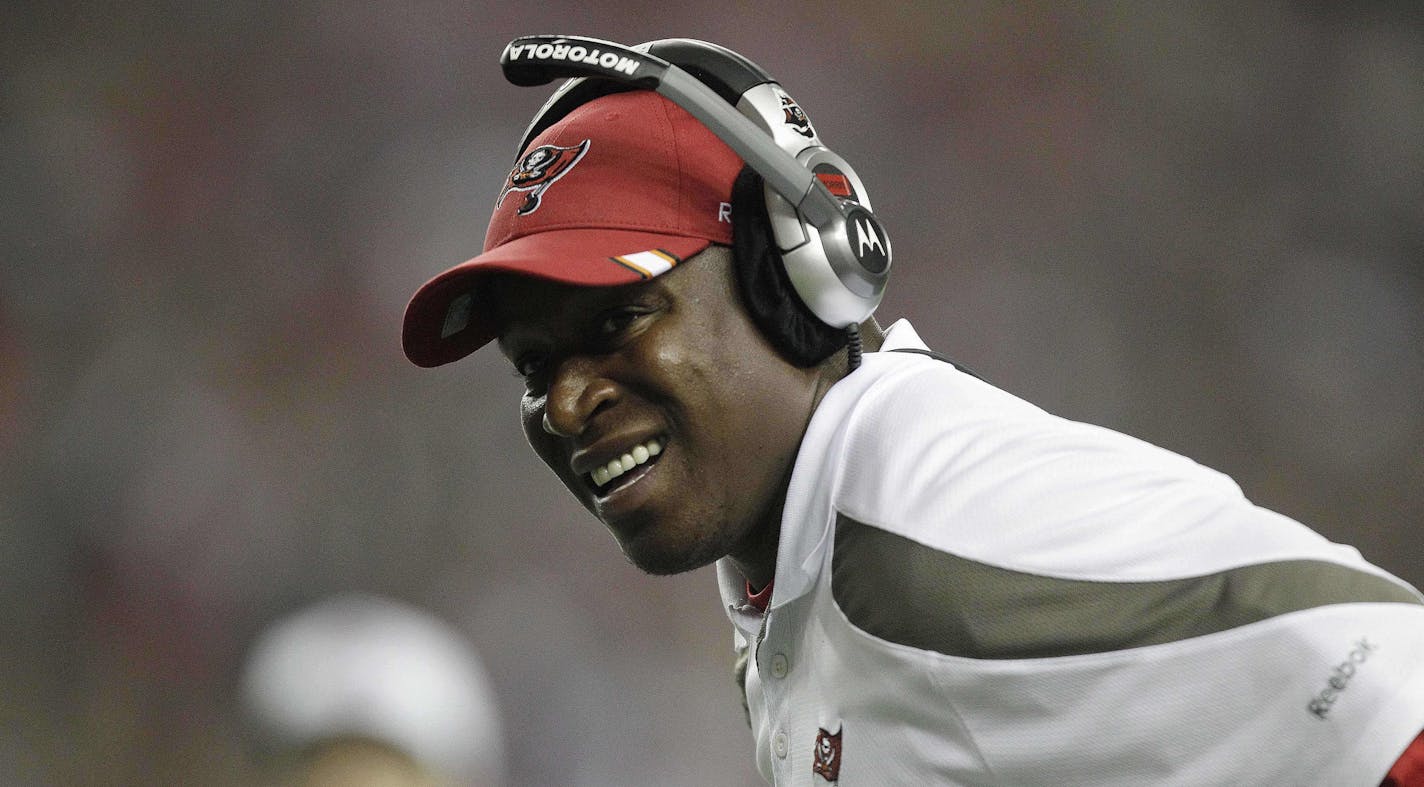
659 559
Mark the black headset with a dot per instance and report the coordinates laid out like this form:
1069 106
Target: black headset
835 253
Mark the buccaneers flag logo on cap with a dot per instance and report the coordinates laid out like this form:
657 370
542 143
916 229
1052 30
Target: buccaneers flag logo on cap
536 172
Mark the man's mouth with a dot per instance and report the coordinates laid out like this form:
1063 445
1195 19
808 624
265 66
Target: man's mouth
605 476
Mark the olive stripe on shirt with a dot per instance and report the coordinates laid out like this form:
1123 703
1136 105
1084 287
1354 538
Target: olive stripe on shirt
902 591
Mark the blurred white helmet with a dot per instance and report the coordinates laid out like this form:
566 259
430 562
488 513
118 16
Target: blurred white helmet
368 667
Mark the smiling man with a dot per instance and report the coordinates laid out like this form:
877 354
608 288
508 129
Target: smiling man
662 409
649 391
929 581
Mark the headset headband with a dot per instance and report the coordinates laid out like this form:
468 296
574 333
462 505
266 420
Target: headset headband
854 244
538 60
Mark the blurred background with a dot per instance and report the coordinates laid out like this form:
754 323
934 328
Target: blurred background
1202 224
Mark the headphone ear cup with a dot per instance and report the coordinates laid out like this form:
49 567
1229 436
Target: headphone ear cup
797 334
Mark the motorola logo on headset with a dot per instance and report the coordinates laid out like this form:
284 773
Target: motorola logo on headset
836 254
867 238
560 51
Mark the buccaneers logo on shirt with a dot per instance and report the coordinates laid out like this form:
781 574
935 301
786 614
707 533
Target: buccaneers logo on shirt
826 758
537 171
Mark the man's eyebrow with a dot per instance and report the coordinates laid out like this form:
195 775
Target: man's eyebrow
486 301
482 294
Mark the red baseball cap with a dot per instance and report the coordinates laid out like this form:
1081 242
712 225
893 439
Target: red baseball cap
620 190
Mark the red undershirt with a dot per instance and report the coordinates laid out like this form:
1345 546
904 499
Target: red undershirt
1409 770
759 599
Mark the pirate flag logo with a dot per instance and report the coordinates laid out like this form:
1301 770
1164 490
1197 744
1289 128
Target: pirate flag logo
826 757
537 171
796 118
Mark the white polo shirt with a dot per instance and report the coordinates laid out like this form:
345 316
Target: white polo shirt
972 591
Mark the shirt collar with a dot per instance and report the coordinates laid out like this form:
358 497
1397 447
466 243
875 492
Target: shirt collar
901 335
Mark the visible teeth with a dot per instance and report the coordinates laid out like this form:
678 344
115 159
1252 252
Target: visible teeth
616 467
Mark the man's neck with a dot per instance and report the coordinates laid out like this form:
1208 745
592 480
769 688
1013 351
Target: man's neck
756 558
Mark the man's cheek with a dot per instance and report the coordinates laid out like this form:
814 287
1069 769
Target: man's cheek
549 454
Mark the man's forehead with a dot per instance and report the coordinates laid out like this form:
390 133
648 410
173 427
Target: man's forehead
526 303
498 290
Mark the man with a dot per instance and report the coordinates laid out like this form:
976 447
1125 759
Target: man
929 580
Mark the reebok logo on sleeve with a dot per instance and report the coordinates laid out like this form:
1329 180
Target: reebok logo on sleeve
1339 679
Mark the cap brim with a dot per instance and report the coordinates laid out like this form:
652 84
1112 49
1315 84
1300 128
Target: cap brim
443 322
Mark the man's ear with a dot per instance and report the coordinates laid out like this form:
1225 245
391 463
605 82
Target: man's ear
796 334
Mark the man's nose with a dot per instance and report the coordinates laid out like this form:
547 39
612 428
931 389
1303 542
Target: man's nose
577 392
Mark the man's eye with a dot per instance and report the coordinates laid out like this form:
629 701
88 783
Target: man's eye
528 366
615 322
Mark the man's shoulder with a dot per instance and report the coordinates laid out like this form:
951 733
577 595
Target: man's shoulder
912 422
919 388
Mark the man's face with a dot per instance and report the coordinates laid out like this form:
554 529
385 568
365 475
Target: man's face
671 379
